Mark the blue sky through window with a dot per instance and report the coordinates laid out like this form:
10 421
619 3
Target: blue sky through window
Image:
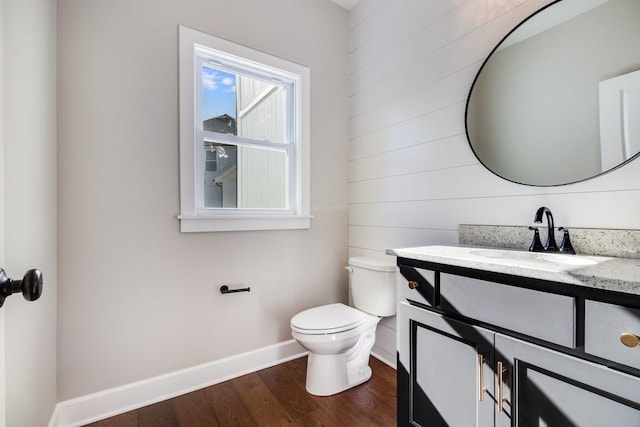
218 93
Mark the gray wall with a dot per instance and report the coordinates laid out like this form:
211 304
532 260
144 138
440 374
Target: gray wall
138 298
412 175
29 102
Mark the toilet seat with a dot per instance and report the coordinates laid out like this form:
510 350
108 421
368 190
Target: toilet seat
330 319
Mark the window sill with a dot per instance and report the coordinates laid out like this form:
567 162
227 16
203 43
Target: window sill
211 223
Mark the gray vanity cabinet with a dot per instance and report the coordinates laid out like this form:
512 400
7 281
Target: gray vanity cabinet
459 365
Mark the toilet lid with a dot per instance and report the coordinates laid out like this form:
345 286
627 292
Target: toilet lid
332 317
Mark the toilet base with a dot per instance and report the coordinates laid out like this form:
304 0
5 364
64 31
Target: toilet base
329 374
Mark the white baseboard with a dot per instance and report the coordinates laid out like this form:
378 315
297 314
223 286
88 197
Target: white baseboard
55 417
384 357
97 406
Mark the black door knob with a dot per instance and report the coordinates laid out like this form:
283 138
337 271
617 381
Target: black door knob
30 285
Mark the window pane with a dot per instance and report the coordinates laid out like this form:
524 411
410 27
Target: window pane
261 110
219 105
221 183
245 177
262 175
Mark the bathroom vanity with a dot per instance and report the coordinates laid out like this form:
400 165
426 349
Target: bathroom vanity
504 337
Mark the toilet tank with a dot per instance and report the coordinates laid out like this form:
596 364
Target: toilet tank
373 285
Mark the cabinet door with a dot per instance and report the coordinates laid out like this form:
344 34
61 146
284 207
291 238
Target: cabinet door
547 388
444 364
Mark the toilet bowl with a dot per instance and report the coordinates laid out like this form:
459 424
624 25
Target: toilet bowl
339 338
339 352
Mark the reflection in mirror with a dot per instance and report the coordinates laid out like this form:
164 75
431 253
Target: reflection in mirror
558 100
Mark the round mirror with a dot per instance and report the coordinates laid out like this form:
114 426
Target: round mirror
558 100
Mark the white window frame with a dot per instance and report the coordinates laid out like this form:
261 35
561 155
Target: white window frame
194 218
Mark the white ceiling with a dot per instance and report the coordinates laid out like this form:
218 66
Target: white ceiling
347 4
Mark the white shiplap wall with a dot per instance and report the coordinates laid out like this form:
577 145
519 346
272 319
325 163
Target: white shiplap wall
412 176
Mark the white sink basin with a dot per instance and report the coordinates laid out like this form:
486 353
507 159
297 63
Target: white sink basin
554 258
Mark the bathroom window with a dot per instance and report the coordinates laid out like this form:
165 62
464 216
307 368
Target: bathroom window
244 138
211 161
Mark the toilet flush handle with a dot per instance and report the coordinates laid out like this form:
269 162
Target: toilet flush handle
349 269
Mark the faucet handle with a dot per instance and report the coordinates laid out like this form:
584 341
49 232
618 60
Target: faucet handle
536 244
565 246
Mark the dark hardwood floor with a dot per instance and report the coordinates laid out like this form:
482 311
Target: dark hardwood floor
272 397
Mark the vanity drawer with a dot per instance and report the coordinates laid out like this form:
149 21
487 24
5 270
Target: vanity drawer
604 325
541 315
407 288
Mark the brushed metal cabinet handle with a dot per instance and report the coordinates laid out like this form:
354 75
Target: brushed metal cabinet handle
501 398
483 389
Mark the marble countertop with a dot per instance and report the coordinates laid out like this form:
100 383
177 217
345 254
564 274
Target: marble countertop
608 273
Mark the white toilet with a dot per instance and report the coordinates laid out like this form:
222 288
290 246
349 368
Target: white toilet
339 338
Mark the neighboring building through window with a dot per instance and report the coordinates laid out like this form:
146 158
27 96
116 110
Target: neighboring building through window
244 142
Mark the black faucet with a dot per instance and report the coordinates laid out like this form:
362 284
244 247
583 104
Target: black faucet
550 246
566 245
536 244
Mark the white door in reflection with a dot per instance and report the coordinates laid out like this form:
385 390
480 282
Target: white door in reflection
619 119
